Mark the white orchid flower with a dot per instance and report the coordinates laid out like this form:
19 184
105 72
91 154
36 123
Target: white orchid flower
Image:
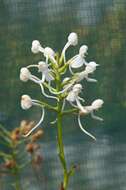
46 72
96 104
36 47
27 103
47 52
72 41
73 96
26 75
89 69
78 60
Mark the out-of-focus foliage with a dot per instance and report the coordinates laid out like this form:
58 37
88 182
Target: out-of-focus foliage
18 154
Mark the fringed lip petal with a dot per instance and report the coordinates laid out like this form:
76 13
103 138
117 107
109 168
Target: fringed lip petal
85 131
37 125
96 117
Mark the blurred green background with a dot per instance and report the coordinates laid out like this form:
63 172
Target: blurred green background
100 24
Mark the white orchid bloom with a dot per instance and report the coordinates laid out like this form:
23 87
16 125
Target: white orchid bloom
36 47
46 72
78 60
89 69
47 52
83 51
26 103
73 96
96 104
26 75
72 41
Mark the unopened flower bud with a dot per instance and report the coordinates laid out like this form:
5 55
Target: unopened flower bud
26 102
73 39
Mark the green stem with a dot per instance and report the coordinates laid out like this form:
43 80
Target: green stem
60 137
61 147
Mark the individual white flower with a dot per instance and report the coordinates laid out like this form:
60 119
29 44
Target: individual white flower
36 47
89 69
72 41
96 104
47 52
73 96
83 50
26 103
46 72
78 60
26 75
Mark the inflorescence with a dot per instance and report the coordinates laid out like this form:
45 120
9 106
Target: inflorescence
71 85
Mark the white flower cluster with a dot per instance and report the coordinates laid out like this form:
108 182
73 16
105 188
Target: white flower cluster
71 87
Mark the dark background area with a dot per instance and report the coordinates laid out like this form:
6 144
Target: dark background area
100 24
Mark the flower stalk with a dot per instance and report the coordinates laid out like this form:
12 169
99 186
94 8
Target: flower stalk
62 90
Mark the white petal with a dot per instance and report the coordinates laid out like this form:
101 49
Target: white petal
86 132
36 126
77 62
96 104
71 97
73 39
26 102
96 117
